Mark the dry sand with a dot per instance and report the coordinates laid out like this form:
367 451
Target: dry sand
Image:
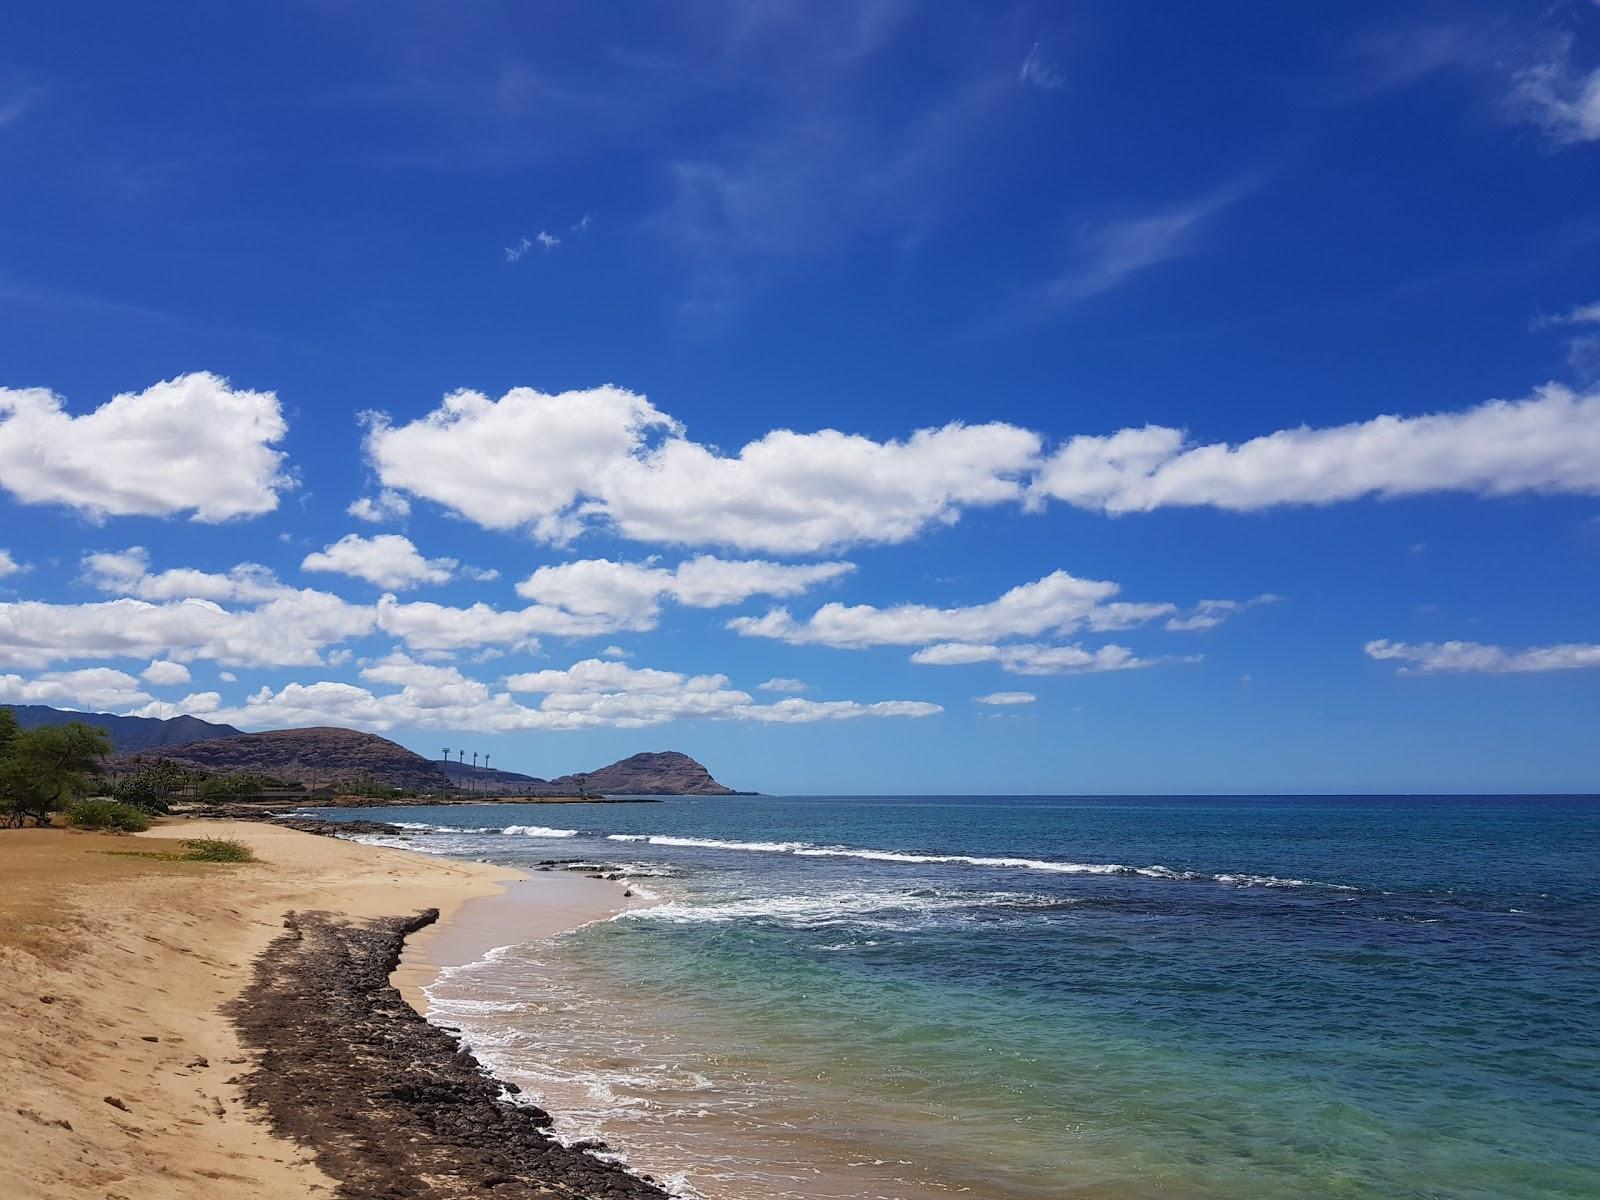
116 1065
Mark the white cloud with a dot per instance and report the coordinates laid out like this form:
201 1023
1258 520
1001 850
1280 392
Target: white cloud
1430 658
1039 73
93 689
9 565
288 631
1582 314
387 561
164 672
387 505
1549 442
615 652
779 683
1560 98
227 677
127 573
608 458
1003 698
190 444
633 591
547 241
590 694
1033 659
195 704
557 464
1109 254
1208 614
1058 603
426 626
480 574
795 711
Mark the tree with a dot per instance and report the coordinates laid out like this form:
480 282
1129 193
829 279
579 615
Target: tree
149 786
42 770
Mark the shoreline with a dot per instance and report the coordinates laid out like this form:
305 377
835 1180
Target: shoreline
529 908
120 971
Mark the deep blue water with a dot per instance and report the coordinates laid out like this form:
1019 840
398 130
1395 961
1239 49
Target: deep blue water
1352 997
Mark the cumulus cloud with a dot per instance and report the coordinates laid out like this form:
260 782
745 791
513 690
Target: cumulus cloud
1026 658
290 630
387 560
556 464
1005 698
615 652
1430 658
9 565
385 506
92 689
191 444
779 683
425 626
195 704
589 694
1549 442
634 591
608 458
1058 603
127 573
164 672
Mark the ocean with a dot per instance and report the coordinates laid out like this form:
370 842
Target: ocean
910 997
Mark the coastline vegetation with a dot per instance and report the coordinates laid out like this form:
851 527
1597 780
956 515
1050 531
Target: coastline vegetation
45 770
97 813
206 849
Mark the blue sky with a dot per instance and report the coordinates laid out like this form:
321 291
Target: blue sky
887 397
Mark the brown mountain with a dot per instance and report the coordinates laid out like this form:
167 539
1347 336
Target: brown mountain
664 773
316 757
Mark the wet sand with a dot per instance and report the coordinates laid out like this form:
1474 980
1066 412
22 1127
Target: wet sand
524 910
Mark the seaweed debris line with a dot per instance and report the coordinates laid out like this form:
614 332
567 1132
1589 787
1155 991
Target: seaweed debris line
391 1106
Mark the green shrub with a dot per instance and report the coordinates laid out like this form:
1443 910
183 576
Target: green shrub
106 814
220 850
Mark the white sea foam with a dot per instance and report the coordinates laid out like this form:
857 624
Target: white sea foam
661 839
543 831
836 908
1051 866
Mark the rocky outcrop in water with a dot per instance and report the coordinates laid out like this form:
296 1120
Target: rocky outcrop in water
663 773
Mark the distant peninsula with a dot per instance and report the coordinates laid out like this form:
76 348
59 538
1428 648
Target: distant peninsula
331 759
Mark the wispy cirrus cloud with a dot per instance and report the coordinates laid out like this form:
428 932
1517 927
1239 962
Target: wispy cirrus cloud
1558 96
1039 73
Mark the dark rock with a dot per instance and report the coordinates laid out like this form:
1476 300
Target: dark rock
390 1105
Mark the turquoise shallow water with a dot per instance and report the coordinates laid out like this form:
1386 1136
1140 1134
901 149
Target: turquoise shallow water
1162 997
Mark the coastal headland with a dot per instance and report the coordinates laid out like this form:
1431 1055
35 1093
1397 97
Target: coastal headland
187 1029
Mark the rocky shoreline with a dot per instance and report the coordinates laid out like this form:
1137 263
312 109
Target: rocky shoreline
392 1107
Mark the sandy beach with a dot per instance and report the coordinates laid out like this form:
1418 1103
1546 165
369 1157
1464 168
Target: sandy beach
126 1077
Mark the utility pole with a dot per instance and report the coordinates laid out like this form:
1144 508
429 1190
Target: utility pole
486 781
445 786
